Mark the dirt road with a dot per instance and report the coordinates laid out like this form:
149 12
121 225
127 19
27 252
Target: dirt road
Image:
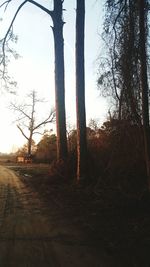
31 236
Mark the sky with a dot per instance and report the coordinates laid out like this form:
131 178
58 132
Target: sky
34 70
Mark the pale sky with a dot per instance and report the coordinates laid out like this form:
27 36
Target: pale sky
34 70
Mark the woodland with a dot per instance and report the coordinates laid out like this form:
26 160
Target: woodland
101 174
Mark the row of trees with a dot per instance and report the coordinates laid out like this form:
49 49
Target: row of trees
125 67
57 17
46 149
115 156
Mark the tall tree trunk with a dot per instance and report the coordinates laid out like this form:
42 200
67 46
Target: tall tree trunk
80 92
144 84
59 80
30 146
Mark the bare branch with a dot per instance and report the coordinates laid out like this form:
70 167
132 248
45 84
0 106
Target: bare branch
114 80
50 119
38 133
9 30
5 3
21 130
16 13
20 109
9 34
49 12
119 13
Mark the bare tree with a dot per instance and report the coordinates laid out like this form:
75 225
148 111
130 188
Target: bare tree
80 92
27 121
56 16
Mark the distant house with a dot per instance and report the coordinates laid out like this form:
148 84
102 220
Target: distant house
20 159
24 159
28 159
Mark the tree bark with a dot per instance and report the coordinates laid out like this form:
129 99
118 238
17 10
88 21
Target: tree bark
30 146
59 80
80 92
144 84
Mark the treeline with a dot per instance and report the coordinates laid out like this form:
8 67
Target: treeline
115 155
124 76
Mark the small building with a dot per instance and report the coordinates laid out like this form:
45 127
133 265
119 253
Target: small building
28 159
20 159
24 159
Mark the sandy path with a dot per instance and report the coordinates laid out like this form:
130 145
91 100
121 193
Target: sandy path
30 234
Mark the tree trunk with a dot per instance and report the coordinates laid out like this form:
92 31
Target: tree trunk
59 80
144 84
30 146
80 92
